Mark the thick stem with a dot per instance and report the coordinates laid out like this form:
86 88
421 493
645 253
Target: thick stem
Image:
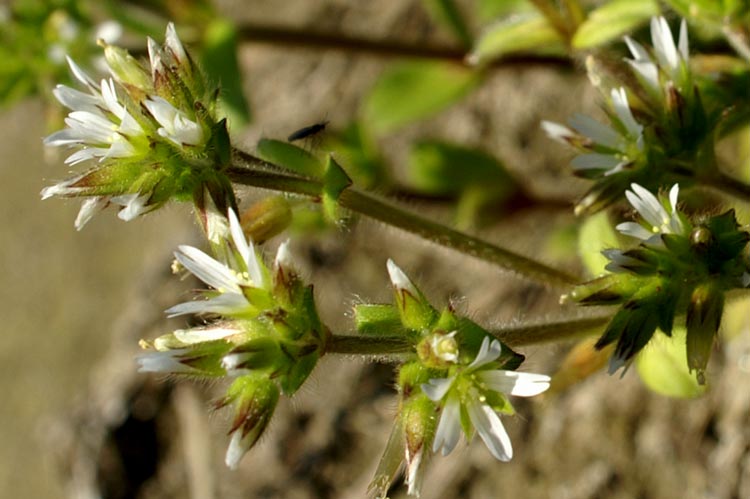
368 345
252 171
532 334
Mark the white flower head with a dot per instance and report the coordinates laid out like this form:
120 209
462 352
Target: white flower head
668 58
603 147
228 279
175 125
660 216
470 390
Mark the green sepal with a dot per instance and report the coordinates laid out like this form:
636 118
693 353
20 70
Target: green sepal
219 144
290 157
412 375
335 180
470 337
378 320
298 373
206 357
499 402
703 319
612 20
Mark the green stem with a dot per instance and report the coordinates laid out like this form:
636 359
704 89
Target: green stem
253 171
532 334
368 345
515 336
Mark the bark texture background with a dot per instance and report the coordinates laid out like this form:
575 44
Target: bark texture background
77 421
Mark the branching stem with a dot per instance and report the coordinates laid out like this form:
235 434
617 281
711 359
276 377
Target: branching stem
249 170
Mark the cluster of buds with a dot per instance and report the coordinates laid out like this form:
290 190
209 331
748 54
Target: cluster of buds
660 130
265 332
678 268
152 133
457 381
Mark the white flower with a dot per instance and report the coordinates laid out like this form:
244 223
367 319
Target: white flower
470 388
445 347
175 125
98 123
399 280
660 219
668 57
603 147
169 361
229 280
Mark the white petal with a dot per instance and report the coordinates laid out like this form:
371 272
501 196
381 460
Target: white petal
399 279
134 205
639 53
236 450
172 41
622 108
648 73
246 250
226 303
192 336
661 37
647 205
89 208
488 352
208 270
674 193
515 383
449 427
634 229
595 160
76 100
80 74
155 57
284 258
491 429
600 133
163 362
683 43
558 132
436 388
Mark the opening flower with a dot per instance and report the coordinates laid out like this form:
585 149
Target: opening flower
474 395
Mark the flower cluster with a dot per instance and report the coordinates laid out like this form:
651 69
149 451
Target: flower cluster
459 372
678 268
152 133
266 333
659 124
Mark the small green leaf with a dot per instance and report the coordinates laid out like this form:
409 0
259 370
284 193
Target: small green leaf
662 366
335 181
530 33
411 91
358 154
441 168
612 20
596 234
447 13
219 60
290 156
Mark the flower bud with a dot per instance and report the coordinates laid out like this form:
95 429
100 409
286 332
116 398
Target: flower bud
416 312
418 418
254 397
127 70
266 218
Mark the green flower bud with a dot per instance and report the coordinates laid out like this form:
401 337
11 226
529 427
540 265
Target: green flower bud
703 318
416 312
128 71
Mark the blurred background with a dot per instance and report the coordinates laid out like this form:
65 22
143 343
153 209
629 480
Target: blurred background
78 421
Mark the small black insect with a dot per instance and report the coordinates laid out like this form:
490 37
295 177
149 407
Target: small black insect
308 131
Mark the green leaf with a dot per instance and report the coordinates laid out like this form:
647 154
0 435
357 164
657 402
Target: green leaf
357 153
290 156
219 60
612 20
662 366
447 13
530 33
441 168
414 90
596 234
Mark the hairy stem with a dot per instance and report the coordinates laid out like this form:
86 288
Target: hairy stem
532 334
515 336
252 171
